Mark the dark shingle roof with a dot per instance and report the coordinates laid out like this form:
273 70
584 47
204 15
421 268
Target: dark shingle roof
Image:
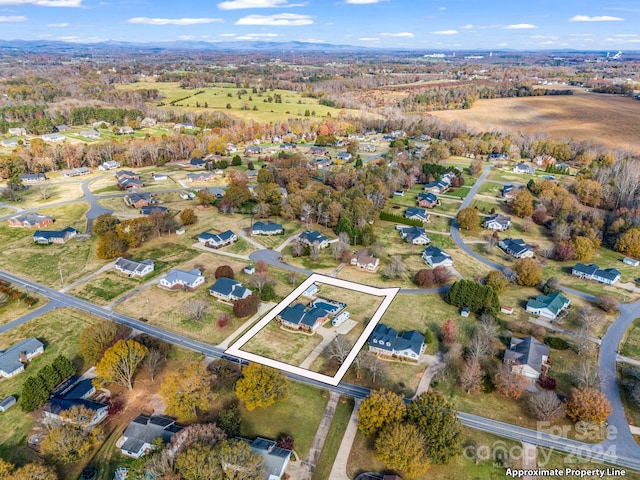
527 351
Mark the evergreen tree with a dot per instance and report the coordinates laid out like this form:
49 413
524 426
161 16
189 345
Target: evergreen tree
50 377
64 367
34 394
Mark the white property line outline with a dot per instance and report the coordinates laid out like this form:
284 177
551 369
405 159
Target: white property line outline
388 293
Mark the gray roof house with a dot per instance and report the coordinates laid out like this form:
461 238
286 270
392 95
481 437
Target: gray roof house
386 341
524 168
133 268
34 177
217 240
149 209
179 279
13 359
414 235
58 404
435 257
275 458
607 276
7 402
299 317
416 213
516 248
30 220
137 439
266 228
229 290
528 357
497 222
548 306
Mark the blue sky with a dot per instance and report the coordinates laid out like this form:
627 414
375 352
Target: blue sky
422 24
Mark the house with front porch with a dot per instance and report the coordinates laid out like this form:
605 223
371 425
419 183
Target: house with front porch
516 248
299 317
228 290
415 213
548 306
414 235
608 276
133 268
497 222
528 357
182 280
427 200
363 260
435 257
385 341
46 237
311 237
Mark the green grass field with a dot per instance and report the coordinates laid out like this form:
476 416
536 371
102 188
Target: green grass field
631 342
254 106
59 331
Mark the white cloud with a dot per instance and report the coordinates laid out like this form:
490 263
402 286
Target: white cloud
547 42
445 32
44 3
258 35
241 4
467 26
502 45
58 25
279 20
12 18
399 34
626 35
173 21
442 8
368 39
601 18
363 2
227 35
520 26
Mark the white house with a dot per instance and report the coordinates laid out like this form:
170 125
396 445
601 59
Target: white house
528 357
133 268
548 306
497 222
13 360
516 248
435 257
523 168
179 279
137 439
229 290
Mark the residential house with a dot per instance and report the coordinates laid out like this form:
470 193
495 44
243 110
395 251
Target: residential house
299 317
61 128
435 257
58 404
133 268
187 195
180 279
228 290
137 439
523 168
509 192
311 291
516 248
217 240
344 156
34 177
465 312
46 237
9 142
367 147
266 228
288 146
125 131
314 150
100 124
53 137
437 187
427 199
275 458
201 177
13 360
148 122
186 125
548 306
414 235
7 402
363 260
123 174
74 172
30 220
497 222
253 150
631 261
311 237
231 147
130 184
415 213
90 134
386 341
110 165
17 132
197 163
607 276
544 161
138 200
497 156
528 357
149 209
217 192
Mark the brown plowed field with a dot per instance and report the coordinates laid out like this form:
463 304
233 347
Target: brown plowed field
606 119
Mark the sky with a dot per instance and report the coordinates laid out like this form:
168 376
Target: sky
417 24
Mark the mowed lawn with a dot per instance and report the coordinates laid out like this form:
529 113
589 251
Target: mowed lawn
59 330
297 416
13 309
251 106
631 342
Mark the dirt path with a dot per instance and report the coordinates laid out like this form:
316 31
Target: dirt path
436 363
339 470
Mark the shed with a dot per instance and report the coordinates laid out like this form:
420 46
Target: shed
631 261
340 319
507 310
7 402
465 312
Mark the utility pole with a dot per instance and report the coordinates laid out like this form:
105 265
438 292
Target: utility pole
149 305
61 277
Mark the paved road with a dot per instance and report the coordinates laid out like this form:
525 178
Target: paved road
605 451
30 316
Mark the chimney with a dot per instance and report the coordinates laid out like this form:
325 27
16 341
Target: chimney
23 357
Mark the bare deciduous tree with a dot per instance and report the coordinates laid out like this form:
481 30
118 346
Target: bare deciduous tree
546 406
376 367
471 376
196 310
153 362
338 349
314 250
585 375
337 249
45 191
258 281
292 278
297 248
395 268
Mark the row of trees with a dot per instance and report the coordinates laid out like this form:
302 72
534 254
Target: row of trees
37 388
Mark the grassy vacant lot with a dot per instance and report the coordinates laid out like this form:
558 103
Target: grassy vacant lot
32 195
253 106
362 459
298 416
59 331
333 439
109 184
610 117
507 175
282 345
631 341
105 288
13 309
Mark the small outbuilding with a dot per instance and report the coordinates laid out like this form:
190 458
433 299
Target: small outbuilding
465 311
7 402
631 261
